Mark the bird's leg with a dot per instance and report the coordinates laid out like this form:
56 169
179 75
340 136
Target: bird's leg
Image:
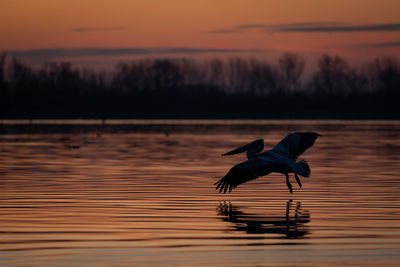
289 185
297 179
288 207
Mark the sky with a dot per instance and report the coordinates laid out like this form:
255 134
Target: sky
90 31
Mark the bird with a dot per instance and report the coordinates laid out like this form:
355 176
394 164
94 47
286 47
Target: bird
280 159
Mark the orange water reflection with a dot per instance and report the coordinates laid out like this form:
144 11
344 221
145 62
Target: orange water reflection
142 196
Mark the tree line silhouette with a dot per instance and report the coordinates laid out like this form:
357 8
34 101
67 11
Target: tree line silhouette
182 88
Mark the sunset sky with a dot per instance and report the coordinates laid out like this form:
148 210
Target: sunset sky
93 30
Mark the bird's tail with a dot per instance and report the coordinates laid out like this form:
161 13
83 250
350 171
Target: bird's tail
305 169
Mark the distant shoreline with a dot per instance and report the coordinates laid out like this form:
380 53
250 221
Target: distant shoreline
172 126
110 122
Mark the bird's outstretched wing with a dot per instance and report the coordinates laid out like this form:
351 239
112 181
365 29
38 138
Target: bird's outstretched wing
252 149
246 171
294 144
260 166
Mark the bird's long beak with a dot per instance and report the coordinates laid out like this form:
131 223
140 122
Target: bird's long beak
237 150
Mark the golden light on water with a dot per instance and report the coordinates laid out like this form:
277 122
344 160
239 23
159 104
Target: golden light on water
141 196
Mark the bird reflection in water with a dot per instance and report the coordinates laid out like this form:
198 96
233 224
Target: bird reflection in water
291 225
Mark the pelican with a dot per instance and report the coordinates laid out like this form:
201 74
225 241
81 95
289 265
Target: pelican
281 159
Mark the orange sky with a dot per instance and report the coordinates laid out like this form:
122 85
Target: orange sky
44 24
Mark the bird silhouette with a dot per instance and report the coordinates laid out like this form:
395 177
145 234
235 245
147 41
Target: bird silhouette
281 159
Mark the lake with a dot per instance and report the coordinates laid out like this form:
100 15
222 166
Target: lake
123 193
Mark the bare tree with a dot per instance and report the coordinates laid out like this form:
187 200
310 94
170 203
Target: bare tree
3 89
330 78
20 78
2 68
384 75
215 73
291 67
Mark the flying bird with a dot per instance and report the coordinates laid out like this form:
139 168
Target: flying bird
281 159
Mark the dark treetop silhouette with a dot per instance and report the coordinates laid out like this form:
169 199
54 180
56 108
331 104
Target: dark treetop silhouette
282 159
208 88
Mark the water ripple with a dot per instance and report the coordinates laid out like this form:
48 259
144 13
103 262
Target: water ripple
136 195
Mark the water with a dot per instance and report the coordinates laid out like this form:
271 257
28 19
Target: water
143 194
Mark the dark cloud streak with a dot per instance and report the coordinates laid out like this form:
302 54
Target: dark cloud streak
251 26
340 28
383 45
312 27
65 53
99 29
225 31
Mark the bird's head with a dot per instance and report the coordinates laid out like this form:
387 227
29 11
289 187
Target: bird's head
315 135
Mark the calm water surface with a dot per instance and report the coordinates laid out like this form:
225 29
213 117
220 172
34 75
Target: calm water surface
144 195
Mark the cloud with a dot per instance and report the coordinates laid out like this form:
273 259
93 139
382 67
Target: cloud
386 44
48 54
251 26
224 31
99 29
312 27
394 44
239 28
339 28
